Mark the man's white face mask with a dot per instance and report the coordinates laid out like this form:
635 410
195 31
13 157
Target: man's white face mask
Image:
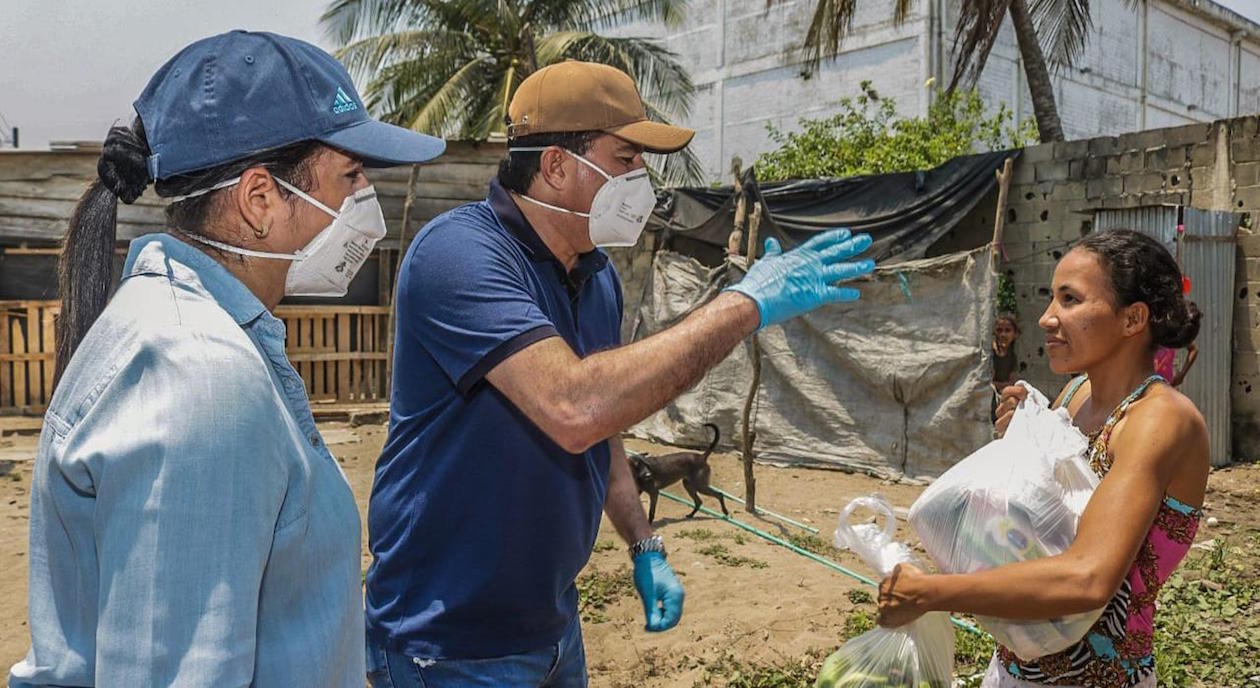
620 208
326 265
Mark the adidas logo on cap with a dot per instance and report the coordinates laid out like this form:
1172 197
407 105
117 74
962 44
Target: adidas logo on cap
343 103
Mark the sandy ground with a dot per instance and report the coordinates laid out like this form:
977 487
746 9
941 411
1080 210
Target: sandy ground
773 604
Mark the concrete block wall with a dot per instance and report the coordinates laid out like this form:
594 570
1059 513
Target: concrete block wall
1056 189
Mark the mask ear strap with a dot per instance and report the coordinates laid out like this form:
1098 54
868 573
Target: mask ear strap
242 251
552 207
221 185
306 197
233 182
593 166
584 161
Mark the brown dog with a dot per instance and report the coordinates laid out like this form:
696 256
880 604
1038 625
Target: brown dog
654 473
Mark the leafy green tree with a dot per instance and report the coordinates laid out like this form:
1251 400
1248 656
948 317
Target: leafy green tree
866 137
450 67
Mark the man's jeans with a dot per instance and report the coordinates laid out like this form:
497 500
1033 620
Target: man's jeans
562 665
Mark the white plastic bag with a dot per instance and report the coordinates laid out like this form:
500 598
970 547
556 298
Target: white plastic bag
1017 498
917 655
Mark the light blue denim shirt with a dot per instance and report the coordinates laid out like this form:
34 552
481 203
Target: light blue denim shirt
188 525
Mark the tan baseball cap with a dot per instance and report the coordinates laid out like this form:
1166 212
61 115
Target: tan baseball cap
588 96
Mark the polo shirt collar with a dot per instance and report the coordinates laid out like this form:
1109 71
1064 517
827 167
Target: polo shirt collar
510 216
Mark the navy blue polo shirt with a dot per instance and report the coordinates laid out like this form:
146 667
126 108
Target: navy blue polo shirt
478 522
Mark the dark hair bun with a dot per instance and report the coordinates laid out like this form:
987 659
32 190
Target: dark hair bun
1142 270
124 164
1179 327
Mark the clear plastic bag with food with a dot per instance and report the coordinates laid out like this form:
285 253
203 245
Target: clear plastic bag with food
1017 498
917 655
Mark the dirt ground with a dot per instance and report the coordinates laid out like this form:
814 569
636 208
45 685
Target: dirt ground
745 596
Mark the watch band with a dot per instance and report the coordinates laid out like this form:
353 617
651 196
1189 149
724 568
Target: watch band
648 544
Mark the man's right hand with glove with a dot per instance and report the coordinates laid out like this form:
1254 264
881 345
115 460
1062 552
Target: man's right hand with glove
785 285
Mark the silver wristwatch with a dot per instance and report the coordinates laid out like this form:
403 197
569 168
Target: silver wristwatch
648 544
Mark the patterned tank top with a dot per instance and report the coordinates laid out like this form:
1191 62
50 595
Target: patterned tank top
1117 652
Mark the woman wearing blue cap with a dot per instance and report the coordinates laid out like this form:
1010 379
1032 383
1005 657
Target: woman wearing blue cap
188 525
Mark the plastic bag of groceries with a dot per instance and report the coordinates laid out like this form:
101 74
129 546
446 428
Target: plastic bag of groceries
917 655
1017 498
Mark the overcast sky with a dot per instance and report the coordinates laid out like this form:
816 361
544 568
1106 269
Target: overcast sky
70 68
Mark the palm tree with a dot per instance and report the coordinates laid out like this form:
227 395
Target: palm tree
451 66
1062 26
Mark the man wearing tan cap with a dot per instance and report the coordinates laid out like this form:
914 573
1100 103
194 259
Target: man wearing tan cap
511 389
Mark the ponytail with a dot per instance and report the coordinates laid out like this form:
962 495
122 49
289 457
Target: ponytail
85 270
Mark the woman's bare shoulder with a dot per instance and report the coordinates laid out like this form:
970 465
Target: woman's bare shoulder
1165 421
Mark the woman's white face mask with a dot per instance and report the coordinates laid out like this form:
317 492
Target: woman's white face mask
620 208
326 265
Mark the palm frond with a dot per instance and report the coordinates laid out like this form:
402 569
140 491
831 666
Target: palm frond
366 56
346 20
901 11
504 25
492 117
1063 27
977 30
399 90
602 14
831 23
681 168
446 109
402 91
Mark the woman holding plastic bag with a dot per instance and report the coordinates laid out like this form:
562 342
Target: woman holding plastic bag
1116 296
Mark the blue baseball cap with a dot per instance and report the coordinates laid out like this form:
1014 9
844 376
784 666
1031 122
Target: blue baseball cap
229 96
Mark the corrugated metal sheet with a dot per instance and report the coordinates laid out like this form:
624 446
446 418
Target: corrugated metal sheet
1207 257
1159 221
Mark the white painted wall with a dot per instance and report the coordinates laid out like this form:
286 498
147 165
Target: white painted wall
744 59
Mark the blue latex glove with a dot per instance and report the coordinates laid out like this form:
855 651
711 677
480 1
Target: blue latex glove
660 591
785 285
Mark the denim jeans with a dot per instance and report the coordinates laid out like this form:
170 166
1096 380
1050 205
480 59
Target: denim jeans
562 665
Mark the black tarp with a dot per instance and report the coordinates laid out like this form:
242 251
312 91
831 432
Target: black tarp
905 213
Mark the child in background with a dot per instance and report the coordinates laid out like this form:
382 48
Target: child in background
1166 360
1005 364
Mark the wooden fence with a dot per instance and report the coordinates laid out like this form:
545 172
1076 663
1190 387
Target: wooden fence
27 354
339 351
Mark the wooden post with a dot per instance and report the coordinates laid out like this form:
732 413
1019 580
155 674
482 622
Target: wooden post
342 325
398 261
999 221
750 435
6 367
737 232
48 345
19 365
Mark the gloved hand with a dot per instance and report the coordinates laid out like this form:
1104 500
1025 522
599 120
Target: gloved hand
785 285
660 591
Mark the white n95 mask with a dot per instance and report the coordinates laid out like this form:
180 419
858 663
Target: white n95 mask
326 265
620 208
